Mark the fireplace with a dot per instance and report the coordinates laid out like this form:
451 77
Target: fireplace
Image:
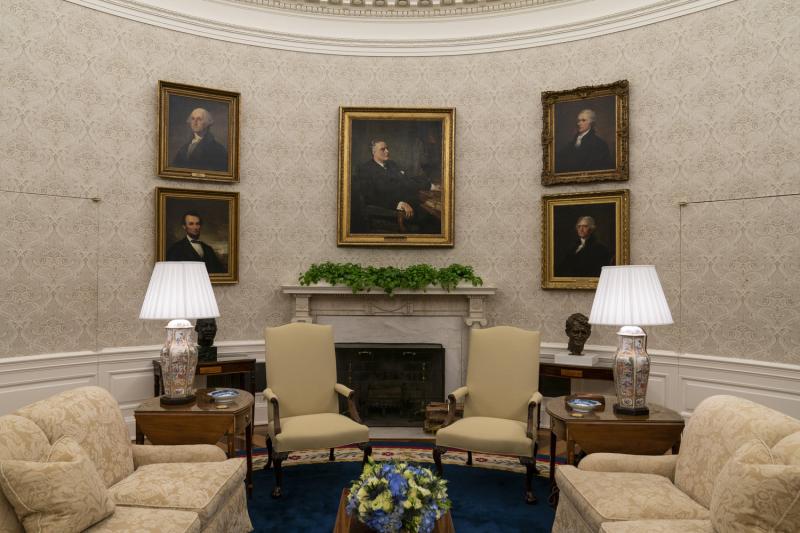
394 381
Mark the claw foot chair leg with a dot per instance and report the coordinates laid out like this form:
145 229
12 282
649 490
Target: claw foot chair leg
279 458
438 451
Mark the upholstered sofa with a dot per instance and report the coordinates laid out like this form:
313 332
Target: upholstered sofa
74 449
738 469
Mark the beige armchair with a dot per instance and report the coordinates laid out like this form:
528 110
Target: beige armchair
738 470
499 398
302 395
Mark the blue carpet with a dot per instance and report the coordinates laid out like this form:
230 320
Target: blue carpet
484 500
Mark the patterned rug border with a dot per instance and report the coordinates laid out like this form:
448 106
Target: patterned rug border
416 453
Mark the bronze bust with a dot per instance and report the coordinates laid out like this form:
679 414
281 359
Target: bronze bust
206 329
578 330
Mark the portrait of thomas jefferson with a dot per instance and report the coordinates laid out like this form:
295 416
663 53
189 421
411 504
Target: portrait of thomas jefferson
584 240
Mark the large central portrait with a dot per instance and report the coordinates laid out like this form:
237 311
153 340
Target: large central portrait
395 177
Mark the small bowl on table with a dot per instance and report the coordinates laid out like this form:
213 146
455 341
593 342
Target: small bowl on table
223 395
585 403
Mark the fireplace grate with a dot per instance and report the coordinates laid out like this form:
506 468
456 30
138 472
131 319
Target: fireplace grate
394 382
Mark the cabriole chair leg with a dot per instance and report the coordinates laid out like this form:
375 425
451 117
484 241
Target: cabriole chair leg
367 451
530 471
438 451
279 458
269 453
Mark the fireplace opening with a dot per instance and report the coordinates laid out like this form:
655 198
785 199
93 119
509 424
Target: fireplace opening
394 382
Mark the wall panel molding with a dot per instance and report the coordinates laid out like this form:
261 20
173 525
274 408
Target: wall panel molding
348 33
680 381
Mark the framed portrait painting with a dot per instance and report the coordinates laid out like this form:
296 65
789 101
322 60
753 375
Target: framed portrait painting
198 133
395 177
585 134
581 233
195 225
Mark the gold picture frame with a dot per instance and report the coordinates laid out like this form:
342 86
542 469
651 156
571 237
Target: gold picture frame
585 134
198 133
581 232
211 219
396 177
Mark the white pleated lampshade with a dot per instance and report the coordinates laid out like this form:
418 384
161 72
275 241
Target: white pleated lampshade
629 295
179 289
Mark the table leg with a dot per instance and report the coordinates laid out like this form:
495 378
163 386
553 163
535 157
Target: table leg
553 498
139 435
248 437
231 447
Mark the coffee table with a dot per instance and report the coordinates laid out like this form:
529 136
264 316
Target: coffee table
350 524
605 431
200 422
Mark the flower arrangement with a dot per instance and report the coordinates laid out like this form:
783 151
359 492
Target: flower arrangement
396 495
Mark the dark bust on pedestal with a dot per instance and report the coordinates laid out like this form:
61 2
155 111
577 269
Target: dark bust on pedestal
578 330
206 331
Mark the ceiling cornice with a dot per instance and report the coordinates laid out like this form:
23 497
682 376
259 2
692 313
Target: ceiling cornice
305 30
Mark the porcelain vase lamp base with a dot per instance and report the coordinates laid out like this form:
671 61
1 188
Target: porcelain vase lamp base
631 372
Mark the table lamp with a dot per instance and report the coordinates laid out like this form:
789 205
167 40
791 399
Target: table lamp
178 291
630 296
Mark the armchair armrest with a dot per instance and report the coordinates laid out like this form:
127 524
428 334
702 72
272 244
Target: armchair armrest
535 402
350 394
452 399
276 411
148 454
662 465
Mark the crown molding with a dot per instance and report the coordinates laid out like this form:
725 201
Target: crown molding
306 28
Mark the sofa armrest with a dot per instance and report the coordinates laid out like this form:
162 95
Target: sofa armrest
350 394
663 465
148 454
272 398
534 403
452 400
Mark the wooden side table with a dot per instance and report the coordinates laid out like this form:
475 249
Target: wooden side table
245 367
606 431
200 422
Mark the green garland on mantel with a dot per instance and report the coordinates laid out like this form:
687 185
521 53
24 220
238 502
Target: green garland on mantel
415 277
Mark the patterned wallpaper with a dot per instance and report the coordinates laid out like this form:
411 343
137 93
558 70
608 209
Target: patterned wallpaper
713 105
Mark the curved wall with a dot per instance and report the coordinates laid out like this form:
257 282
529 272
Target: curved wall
713 99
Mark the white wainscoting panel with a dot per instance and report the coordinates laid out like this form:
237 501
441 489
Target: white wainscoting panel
679 381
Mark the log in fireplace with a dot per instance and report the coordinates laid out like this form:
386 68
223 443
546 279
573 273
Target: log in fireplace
394 382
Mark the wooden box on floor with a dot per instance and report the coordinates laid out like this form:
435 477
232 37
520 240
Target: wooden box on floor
350 524
436 412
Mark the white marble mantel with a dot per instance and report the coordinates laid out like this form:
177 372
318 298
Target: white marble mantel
434 315
464 300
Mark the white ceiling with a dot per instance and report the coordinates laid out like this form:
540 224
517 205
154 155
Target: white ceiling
443 28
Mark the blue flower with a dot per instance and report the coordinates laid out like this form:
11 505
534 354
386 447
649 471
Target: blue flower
397 484
428 521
